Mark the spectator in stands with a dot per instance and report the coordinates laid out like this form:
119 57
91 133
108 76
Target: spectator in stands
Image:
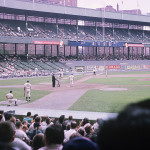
35 131
38 141
28 118
13 121
25 128
69 120
35 115
37 120
7 134
71 131
3 116
27 91
89 131
48 123
80 143
60 121
96 126
81 131
11 99
77 134
54 136
85 121
7 138
130 130
20 133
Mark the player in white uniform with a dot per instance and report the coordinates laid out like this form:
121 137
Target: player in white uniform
27 90
71 77
11 99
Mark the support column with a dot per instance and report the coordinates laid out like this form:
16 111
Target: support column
77 28
4 49
77 52
64 51
26 23
128 53
26 51
113 30
15 49
104 54
113 52
96 53
57 27
57 50
51 50
35 49
70 50
44 50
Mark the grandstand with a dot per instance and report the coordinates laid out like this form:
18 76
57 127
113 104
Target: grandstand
35 37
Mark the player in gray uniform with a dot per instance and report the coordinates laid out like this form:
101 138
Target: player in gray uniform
27 90
11 99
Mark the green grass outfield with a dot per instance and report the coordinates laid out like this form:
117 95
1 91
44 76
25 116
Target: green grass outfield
113 101
19 92
92 100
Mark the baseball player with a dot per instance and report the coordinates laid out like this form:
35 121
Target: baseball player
71 77
11 99
27 90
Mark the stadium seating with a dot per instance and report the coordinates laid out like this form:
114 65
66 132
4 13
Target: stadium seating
69 32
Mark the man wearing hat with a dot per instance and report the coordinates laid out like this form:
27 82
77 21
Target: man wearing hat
11 99
27 90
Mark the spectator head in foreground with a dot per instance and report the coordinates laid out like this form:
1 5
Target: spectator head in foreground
130 130
53 137
80 143
7 133
38 141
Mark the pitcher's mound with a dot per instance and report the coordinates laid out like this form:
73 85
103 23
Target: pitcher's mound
114 89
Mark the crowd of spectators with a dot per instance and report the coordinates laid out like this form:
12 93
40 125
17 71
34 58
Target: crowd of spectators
12 66
71 32
129 130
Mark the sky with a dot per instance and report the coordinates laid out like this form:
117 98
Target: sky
144 5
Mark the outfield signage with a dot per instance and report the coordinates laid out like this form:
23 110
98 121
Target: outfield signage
113 67
133 67
79 68
146 66
133 45
96 43
61 43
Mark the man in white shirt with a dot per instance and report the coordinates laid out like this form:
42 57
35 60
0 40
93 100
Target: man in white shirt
71 131
27 90
20 133
11 99
71 77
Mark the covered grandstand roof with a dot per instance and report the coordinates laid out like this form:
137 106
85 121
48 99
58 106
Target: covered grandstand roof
45 10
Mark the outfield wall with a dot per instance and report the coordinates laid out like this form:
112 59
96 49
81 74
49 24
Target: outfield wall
111 66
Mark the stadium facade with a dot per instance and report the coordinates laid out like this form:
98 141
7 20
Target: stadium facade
50 31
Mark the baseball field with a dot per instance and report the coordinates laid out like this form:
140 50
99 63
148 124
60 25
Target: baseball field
89 93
